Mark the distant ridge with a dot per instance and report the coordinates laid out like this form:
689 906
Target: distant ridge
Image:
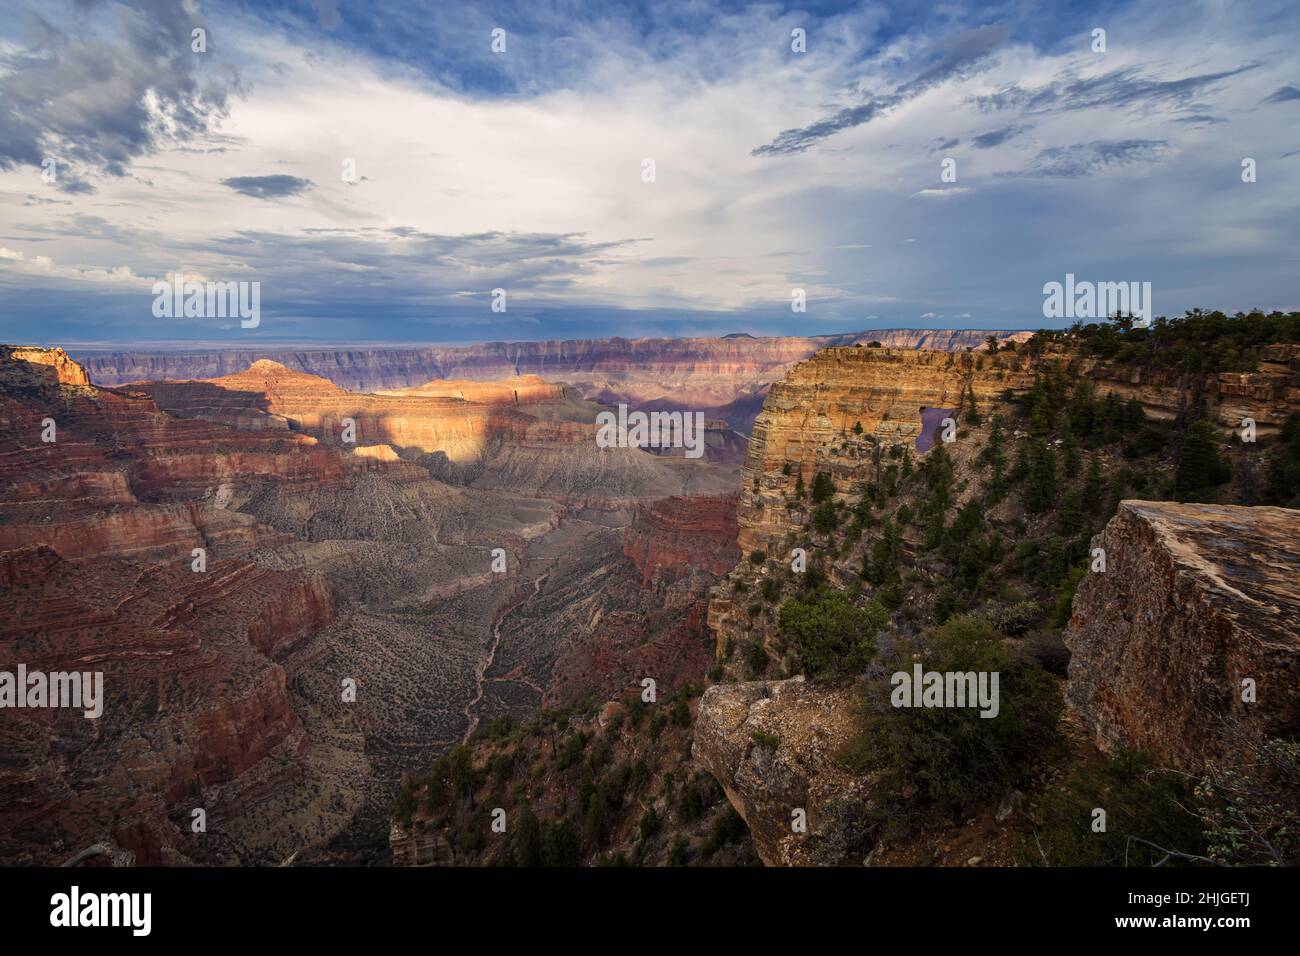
382 367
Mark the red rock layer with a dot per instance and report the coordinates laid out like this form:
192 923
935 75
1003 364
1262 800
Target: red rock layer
97 530
674 551
697 534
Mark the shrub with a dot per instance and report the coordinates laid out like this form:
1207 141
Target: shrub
940 761
1147 815
831 637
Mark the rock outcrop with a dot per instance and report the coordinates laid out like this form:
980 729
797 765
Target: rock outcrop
774 747
812 414
1198 606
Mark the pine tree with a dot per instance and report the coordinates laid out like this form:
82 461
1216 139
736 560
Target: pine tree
1092 488
1200 468
823 488
1070 459
974 412
1040 487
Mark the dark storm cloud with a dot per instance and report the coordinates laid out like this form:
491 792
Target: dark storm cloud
95 103
956 58
1117 90
1086 159
268 187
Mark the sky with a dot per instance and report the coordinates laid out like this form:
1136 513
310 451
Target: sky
637 169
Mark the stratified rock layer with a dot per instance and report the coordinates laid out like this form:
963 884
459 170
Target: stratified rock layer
724 377
822 401
1195 600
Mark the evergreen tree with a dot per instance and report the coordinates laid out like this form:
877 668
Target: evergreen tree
1092 487
973 414
1070 459
1083 409
1284 465
526 843
1200 468
823 489
1040 486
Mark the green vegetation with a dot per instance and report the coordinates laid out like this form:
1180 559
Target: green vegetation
1195 342
938 762
831 636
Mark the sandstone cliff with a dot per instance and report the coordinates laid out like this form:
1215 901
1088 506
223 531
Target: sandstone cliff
1194 601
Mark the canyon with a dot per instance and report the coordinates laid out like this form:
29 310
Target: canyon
412 553
344 620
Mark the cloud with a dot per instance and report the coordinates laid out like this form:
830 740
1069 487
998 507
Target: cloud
955 58
1086 159
46 268
996 137
328 13
946 193
1117 89
93 102
1283 94
268 187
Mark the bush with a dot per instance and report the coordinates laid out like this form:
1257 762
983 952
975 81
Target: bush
831 637
937 762
559 844
1147 815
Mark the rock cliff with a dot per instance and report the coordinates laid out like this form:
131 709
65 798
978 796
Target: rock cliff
1199 606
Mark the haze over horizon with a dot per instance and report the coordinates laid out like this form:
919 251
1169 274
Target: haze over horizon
523 170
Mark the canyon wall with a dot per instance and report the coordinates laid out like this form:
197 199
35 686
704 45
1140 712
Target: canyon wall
724 377
322 563
1266 395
